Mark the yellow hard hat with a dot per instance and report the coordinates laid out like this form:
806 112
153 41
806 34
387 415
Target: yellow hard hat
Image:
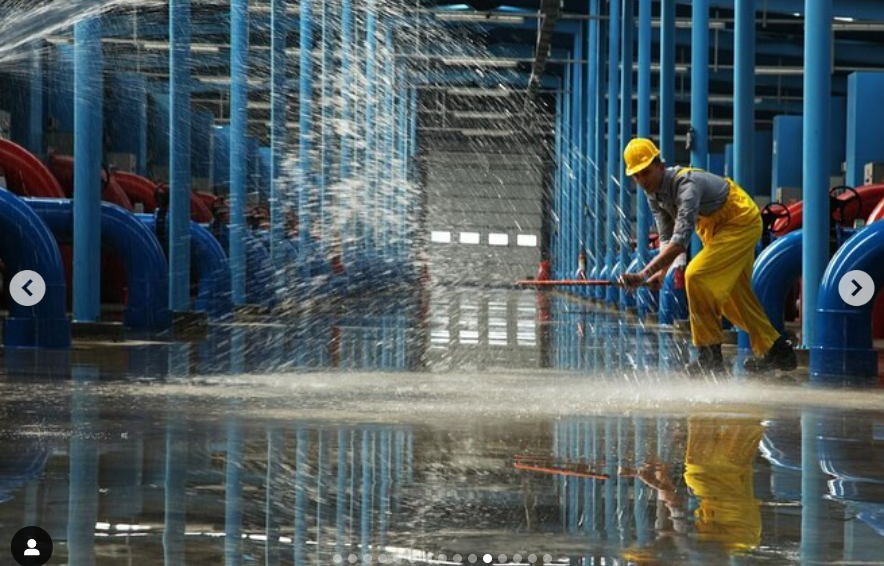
639 153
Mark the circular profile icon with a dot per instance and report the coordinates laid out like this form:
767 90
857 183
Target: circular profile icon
31 546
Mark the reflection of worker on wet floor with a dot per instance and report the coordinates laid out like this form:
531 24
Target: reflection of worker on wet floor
718 460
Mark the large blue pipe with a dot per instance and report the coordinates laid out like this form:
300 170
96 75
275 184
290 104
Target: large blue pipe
326 134
667 80
305 135
387 185
776 270
567 220
557 236
601 165
28 244
179 156
627 299
591 120
817 103
239 118
700 82
278 104
613 153
348 234
843 342
212 269
644 297
744 95
147 274
88 96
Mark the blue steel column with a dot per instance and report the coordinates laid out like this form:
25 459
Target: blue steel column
179 155
591 121
35 97
278 200
613 153
700 82
326 125
667 80
627 299
699 93
88 95
347 204
557 191
239 118
643 221
305 135
744 95
389 122
601 163
566 222
369 173
577 109
817 95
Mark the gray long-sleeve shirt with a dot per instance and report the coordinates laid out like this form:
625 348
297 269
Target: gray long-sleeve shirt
683 197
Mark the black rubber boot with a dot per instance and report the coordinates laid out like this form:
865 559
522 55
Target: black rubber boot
781 356
709 361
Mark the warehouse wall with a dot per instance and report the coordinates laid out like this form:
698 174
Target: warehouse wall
490 193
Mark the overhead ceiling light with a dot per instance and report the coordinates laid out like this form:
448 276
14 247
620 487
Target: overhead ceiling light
479 17
486 133
461 115
493 92
844 19
479 62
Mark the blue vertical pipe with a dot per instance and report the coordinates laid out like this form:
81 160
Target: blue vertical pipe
556 235
700 82
627 299
592 177
744 94
579 147
567 220
389 128
278 103
88 95
239 118
667 80
179 156
346 154
613 153
35 106
601 161
305 134
371 189
233 495
643 221
817 104
326 137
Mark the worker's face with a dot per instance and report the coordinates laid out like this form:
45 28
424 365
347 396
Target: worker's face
650 178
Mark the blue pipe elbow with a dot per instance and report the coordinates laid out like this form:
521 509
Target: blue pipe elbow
673 302
147 273
215 295
843 346
776 270
28 244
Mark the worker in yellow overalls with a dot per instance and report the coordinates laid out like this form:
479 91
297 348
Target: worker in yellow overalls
719 278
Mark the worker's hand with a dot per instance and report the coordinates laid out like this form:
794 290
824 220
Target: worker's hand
632 280
655 281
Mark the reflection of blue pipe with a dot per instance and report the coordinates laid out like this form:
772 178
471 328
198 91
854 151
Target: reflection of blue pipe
341 494
233 495
776 270
147 274
175 490
83 458
844 333
87 168
239 118
45 325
